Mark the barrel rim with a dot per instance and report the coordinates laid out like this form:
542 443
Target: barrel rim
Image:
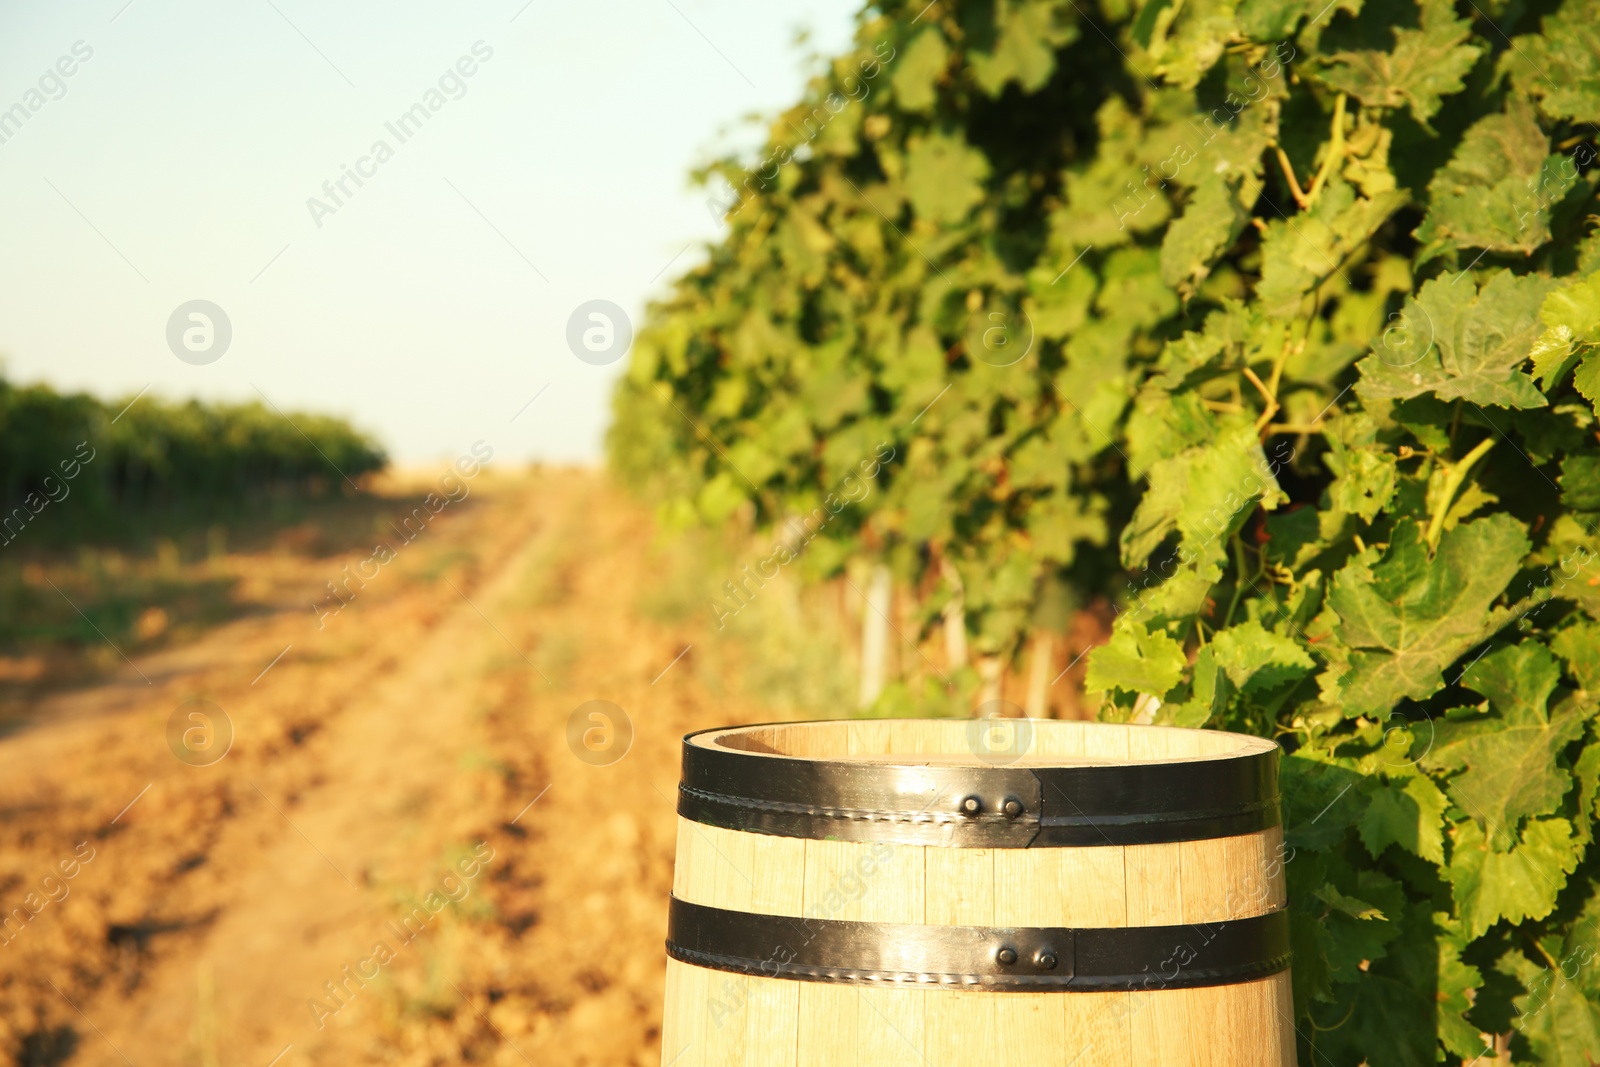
1249 744
980 806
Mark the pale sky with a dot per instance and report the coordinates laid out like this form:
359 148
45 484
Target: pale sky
432 303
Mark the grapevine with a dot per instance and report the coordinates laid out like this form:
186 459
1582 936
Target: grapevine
1278 325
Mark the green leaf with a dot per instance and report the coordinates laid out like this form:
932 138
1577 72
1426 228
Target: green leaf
1579 645
1025 49
1136 661
1481 339
1358 924
1558 1018
1517 679
1559 1015
1209 692
1575 306
1561 66
1498 190
1408 617
1356 909
944 178
1587 380
1298 254
917 70
1489 886
1571 315
1425 64
1366 479
1411 816
1061 523
1458 983
1189 38
1270 20
1209 225
1580 482
1257 660
1205 494
1392 1011
1506 763
1586 771
1321 801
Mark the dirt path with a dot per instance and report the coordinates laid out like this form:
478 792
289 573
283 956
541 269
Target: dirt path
400 860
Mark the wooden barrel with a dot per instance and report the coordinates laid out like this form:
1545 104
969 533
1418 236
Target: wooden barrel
921 892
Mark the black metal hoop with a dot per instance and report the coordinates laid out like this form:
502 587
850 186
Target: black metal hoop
1019 959
979 807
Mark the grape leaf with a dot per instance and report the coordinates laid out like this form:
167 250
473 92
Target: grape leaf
1480 340
1580 482
1136 661
1209 692
1517 679
1458 983
1407 617
918 69
1205 493
1320 800
1391 1012
1580 646
1558 1020
944 178
1507 761
1365 479
1187 45
1299 252
1586 772
1498 189
1559 1015
1270 20
1256 659
1024 51
1571 315
1521 884
1210 223
1358 925
1561 66
1426 64
1411 816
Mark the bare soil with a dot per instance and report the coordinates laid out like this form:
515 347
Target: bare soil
400 859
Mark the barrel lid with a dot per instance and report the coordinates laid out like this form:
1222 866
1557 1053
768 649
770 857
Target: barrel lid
1065 786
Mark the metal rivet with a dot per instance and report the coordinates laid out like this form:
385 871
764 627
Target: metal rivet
1046 960
971 806
1012 808
1006 956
